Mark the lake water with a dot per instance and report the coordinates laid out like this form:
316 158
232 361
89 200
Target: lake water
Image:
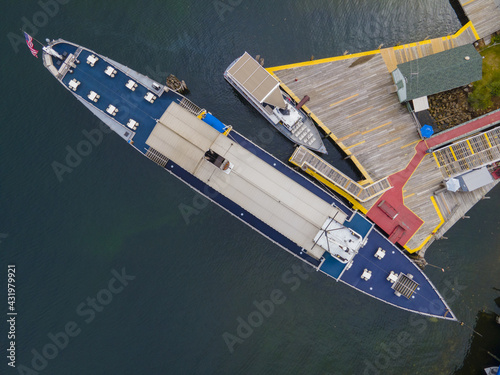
184 285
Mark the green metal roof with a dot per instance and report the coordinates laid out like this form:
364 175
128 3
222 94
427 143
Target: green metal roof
442 71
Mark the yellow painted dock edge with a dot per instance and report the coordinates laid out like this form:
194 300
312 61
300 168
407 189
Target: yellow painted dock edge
476 35
369 53
322 61
355 203
441 218
436 159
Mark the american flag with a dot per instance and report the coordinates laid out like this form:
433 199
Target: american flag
29 42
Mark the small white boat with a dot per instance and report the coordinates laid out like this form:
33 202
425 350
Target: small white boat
263 91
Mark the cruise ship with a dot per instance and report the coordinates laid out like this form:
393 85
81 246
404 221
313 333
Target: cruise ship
243 179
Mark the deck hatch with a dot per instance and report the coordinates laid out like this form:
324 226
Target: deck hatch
157 157
405 285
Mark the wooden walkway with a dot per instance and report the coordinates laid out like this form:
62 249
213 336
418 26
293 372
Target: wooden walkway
353 102
305 159
449 207
407 52
469 154
418 196
484 14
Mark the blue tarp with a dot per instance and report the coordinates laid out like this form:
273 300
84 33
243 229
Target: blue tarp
215 123
426 131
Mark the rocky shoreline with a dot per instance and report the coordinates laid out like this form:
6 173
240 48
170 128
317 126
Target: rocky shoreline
451 108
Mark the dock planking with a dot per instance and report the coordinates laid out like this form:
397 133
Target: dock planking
407 52
484 14
354 101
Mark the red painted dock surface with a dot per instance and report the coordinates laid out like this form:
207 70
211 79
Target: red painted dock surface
406 219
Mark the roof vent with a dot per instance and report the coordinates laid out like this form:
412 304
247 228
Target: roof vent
467 58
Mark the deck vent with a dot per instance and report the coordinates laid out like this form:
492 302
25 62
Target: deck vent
157 157
404 285
190 106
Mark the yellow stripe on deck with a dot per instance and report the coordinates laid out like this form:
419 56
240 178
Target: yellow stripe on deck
471 149
453 153
357 144
378 127
357 113
392 140
322 61
435 158
476 35
343 100
410 144
348 136
441 222
389 54
488 140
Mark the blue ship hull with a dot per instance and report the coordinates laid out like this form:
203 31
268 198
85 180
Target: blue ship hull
424 299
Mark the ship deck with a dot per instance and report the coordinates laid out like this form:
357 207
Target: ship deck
273 198
266 193
112 90
261 191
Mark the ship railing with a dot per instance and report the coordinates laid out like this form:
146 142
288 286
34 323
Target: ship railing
416 122
157 157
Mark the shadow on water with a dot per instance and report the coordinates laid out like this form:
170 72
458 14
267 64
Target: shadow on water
425 118
484 350
457 7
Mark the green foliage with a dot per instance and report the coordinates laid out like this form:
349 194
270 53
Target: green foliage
494 88
494 84
480 98
489 85
495 39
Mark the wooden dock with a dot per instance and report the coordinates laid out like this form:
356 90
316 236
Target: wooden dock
347 91
353 101
407 52
484 14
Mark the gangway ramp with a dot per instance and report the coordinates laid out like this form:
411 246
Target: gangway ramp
306 159
468 154
253 184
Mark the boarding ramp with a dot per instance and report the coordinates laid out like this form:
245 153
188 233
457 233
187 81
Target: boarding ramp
469 154
306 159
253 184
